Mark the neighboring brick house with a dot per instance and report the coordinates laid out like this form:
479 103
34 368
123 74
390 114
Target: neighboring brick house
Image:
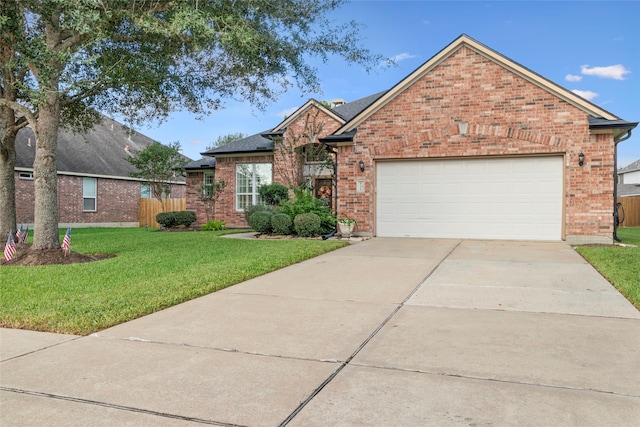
94 185
469 145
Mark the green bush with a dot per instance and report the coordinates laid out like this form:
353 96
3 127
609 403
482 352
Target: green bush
281 224
307 225
274 194
304 202
213 226
261 221
250 210
176 218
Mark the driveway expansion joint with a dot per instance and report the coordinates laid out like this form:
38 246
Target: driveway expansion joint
118 407
365 342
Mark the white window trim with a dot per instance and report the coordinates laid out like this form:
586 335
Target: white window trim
207 187
95 198
254 189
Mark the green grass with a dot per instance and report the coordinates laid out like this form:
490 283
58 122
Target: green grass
151 271
620 265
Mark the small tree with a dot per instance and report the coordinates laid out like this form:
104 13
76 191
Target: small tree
298 146
209 195
158 165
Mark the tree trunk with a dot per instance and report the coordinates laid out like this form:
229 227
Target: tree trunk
45 173
7 174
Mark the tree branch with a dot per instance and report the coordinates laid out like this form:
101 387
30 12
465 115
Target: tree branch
30 117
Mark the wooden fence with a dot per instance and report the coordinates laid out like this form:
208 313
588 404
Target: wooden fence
149 208
631 206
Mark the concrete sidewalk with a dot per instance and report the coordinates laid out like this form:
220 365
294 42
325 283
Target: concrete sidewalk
383 332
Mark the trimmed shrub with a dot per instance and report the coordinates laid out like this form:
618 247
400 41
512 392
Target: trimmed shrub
176 218
281 224
213 226
307 225
305 203
261 221
250 210
274 194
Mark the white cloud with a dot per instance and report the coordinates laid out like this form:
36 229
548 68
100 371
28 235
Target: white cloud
586 94
616 72
402 57
195 141
573 78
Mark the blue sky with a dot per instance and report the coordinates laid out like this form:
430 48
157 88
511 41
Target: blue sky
592 47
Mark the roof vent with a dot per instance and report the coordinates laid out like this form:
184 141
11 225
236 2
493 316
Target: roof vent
337 102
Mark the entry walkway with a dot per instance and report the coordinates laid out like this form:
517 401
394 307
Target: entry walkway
383 332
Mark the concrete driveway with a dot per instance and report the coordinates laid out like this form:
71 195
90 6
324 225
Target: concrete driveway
386 332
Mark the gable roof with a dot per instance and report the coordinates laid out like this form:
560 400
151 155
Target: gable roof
466 41
310 103
635 166
101 151
352 114
262 142
250 144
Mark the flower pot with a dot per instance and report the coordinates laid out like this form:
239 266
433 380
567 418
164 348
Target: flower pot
345 228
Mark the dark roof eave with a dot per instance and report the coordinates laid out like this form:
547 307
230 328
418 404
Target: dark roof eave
598 123
270 135
244 153
336 139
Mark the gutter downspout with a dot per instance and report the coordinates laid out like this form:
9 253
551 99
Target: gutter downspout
335 191
615 186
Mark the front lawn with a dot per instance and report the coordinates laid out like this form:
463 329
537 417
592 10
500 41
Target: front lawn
152 271
620 265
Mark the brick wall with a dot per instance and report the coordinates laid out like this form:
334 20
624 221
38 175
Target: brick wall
507 116
117 200
194 183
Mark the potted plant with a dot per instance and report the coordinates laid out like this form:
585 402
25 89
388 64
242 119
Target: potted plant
346 225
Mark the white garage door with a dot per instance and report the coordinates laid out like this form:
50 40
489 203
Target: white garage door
510 198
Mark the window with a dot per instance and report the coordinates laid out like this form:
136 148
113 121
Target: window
26 175
249 178
207 184
145 191
89 194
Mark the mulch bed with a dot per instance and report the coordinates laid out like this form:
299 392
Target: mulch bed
26 256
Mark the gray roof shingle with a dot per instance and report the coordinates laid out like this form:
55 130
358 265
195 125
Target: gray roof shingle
100 151
249 144
259 142
630 168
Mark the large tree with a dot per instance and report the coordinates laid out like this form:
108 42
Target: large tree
61 60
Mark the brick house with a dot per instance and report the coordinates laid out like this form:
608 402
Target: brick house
469 145
94 186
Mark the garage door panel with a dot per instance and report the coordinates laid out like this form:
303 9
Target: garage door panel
512 198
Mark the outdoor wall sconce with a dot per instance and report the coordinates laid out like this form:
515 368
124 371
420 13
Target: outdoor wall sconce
361 166
463 127
581 159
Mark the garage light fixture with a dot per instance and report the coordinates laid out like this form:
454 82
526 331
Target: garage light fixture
581 159
463 127
361 166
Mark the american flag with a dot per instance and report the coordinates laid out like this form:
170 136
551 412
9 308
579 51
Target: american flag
25 235
66 242
19 234
9 248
